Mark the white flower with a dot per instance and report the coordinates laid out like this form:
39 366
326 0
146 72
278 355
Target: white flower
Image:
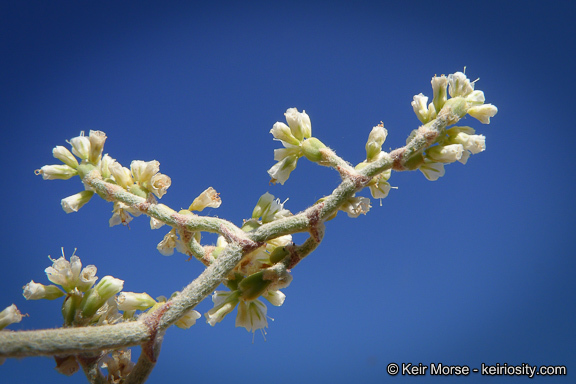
159 184
54 172
439 85
445 153
432 170
36 291
81 146
188 320
10 315
422 111
282 169
379 187
169 243
122 175
459 85
155 223
473 143
69 274
252 315
75 202
483 112
120 214
224 303
355 206
299 123
269 209
208 198
476 98
143 171
64 155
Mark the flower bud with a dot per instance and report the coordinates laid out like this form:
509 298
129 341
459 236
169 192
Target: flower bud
54 172
439 85
131 301
282 132
375 140
97 139
81 146
299 123
65 156
97 296
75 202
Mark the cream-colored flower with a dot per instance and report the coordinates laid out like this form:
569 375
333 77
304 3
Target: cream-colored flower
81 146
122 175
459 85
375 140
439 85
282 169
10 315
75 202
132 301
282 132
208 198
37 291
121 214
299 123
188 320
355 206
56 172
423 112
159 184
65 156
483 112
252 315
224 303
445 153
97 139
432 170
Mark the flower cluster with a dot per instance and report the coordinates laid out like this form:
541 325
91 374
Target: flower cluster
142 179
458 143
456 85
209 198
379 186
255 276
296 137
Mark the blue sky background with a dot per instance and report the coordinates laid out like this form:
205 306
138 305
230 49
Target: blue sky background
477 267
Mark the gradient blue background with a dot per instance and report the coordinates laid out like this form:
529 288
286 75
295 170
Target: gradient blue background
476 267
